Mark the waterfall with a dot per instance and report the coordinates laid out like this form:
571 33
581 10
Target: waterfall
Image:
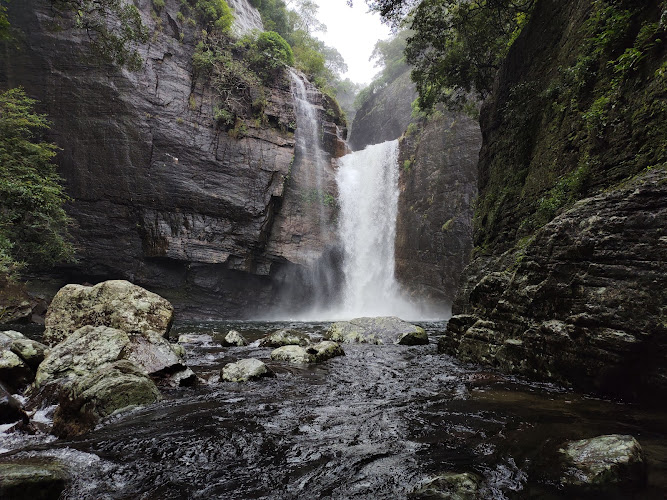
368 196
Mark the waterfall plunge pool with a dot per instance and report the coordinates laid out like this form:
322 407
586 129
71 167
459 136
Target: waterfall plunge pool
375 423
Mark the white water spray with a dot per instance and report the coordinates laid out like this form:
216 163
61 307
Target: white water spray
368 196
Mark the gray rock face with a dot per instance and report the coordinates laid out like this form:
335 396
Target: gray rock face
116 303
386 115
451 486
244 370
97 394
31 479
604 461
315 353
381 330
19 358
581 303
438 185
234 339
285 337
161 195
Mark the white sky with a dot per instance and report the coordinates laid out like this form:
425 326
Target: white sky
353 31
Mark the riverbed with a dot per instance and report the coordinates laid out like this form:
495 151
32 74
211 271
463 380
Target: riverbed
375 423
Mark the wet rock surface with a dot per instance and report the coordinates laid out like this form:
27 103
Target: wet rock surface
580 304
32 479
380 330
451 486
281 338
234 339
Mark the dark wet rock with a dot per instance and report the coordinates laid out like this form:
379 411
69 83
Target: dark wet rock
450 486
234 339
32 479
385 115
244 370
109 388
380 330
437 188
11 409
162 194
604 461
30 351
285 337
14 372
89 347
116 303
314 353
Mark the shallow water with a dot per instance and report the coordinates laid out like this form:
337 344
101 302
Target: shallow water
375 423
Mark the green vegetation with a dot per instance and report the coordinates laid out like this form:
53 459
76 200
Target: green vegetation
215 13
5 28
33 224
112 42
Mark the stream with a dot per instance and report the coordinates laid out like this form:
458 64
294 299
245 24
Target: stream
375 423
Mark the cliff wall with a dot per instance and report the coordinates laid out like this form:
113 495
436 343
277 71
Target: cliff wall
568 279
161 194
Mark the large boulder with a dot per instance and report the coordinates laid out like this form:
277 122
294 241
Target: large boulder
11 409
381 330
244 370
315 353
33 479
116 303
604 461
281 338
109 388
90 347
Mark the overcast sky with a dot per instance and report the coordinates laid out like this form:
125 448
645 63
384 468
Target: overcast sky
353 31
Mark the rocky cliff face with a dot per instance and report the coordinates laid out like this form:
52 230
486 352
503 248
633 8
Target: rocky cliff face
438 184
161 195
568 280
385 115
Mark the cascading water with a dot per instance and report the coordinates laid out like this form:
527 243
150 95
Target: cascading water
368 197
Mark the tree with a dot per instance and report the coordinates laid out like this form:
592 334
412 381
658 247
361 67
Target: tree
457 45
33 223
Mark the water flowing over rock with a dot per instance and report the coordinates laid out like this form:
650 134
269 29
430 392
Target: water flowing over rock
116 303
31 479
161 195
381 330
244 370
246 17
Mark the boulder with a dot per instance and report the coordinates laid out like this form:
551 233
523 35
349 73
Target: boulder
11 409
450 486
381 330
244 370
92 346
32 479
14 372
315 353
96 395
118 304
234 339
603 461
281 338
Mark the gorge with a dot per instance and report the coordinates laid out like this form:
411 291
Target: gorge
522 233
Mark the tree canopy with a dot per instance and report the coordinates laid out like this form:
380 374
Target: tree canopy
457 45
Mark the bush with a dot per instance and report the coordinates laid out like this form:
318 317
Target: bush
272 45
216 13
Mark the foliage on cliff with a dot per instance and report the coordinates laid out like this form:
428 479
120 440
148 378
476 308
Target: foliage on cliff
33 224
113 27
587 113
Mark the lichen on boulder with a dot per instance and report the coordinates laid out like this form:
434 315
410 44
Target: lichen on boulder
380 330
116 303
244 370
315 353
234 339
281 338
